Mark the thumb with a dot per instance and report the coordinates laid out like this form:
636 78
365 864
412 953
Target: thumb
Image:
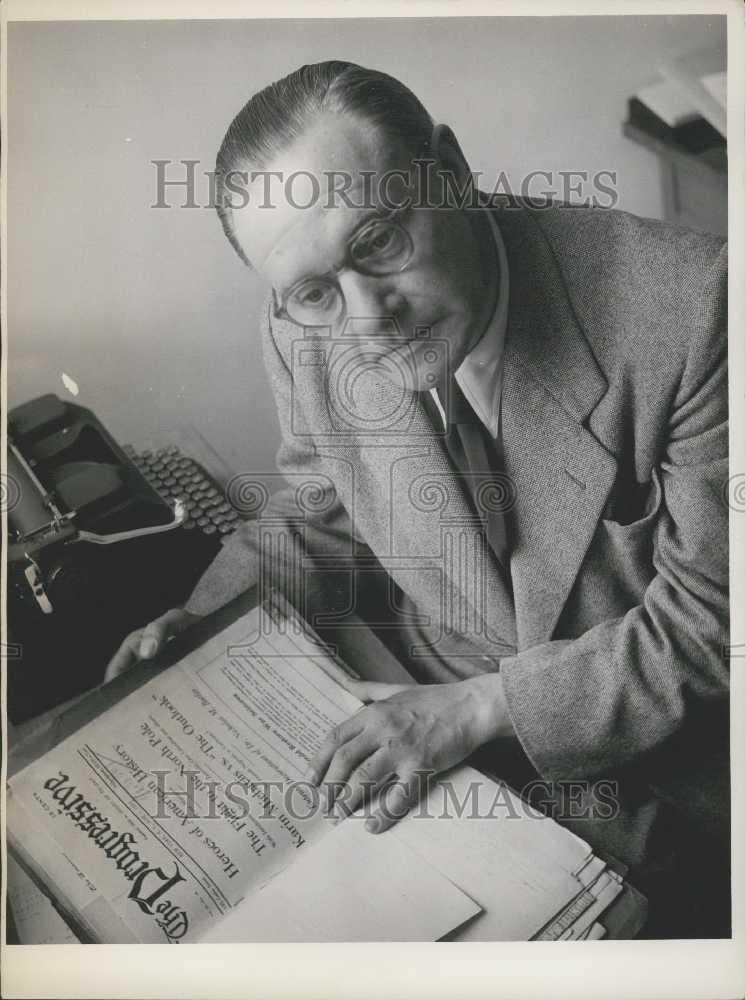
368 691
151 640
156 633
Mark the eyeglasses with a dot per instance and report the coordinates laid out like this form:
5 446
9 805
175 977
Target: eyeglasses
381 247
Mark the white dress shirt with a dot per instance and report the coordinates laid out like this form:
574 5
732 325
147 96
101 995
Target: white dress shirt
480 373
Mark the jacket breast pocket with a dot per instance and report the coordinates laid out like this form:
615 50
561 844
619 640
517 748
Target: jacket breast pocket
629 547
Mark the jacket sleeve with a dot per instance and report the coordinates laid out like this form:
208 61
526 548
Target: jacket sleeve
627 687
304 520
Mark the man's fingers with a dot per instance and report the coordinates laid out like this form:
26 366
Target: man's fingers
149 643
366 779
338 736
145 643
125 657
153 637
346 759
396 800
160 630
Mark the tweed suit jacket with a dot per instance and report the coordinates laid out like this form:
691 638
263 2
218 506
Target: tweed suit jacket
610 625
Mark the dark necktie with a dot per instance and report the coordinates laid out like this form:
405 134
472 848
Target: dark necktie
478 457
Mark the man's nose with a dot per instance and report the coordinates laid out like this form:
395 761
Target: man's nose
369 298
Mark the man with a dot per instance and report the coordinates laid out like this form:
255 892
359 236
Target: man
515 419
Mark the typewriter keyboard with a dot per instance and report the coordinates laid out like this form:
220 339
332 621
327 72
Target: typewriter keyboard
177 477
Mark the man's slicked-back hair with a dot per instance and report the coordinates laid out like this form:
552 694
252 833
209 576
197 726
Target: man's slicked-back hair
280 113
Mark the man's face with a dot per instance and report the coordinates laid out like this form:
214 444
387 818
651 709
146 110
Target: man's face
443 288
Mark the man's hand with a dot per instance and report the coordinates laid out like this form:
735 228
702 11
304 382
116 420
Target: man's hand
145 643
404 730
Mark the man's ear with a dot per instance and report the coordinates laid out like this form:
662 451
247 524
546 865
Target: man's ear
445 150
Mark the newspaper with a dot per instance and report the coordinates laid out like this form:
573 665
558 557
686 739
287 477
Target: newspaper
157 819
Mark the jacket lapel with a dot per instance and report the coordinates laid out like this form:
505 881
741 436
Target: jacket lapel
420 523
391 469
562 475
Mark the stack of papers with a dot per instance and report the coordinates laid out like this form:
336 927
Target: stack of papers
36 920
691 87
503 913
473 861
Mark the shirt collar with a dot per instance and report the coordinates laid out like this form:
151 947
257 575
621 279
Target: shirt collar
479 375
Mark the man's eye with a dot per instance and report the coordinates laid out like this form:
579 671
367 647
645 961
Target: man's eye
314 296
382 240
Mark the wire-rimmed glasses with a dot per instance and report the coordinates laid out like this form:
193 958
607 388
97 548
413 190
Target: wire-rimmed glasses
383 246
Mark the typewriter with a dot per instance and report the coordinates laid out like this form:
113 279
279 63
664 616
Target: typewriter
101 539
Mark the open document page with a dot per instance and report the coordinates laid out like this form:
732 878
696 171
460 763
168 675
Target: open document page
156 820
530 877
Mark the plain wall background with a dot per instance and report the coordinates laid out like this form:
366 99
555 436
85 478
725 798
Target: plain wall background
150 311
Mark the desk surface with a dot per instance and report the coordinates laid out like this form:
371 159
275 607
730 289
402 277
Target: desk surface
354 643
